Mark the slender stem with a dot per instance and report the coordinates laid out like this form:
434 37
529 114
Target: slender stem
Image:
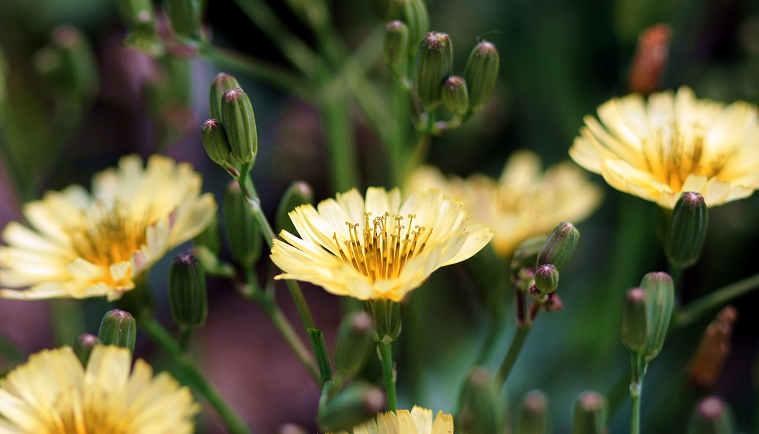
511 356
636 390
388 374
495 325
699 308
185 336
156 332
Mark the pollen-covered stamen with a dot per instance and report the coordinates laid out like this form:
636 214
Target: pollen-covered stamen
381 250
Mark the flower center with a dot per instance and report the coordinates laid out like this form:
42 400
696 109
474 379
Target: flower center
385 245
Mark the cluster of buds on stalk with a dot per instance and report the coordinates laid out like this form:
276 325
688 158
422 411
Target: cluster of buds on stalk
646 314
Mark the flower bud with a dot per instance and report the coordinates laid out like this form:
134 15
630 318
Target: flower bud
589 414
433 65
187 291
413 13
660 299
546 279
118 328
243 236
215 142
686 230
354 344
83 346
650 60
299 193
706 365
220 84
387 319
481 412
184 16
634 324
481 73
395 48
240 125
533 417
712 416
559 246
526 255
355 404
455 96
140 18
69 64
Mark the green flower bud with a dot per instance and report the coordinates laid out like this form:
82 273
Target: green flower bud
243 236
414 14
634 321
354 344
395 48
355 404
210 238
526 255
455 96
712 416
240 125
83 346
546 279
686 230
215 142
433 65
481 412
299 193
69 64
481 73
140 18
387 319
533 417
184 16
118 328
589 414
187 291
559 246
660 299
220 84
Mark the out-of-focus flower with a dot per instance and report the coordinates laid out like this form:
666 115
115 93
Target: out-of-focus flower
523 202
671 144
52 392
377 248
89 245
417 421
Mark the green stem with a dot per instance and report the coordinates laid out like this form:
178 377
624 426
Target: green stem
68 320
10 352
511 356
494 327
185 336
699 308
156 332
388 376
636 390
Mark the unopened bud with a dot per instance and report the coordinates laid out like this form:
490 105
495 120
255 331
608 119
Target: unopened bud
83 346
589 414
455 96
215 142
413 13
713 350
187 291
220 84
140 18
354 344
712 416
355 404
299 193
546 279
686 230
243 235
559 246
481 74
433 65
533 417
634 324
526 255
291 428
69 64
387 319
118 328
481 412
240 125
395 48
650 60
184 16
660 298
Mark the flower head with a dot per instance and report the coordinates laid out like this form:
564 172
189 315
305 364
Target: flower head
523 202
53 393
88 245
672 144
377 248
417 421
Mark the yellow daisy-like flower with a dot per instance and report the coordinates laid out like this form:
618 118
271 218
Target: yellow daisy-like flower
417 421
672 144
523 202
53 393
378 248
88 245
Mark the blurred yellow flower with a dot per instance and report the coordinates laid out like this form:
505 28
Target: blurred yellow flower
672 144
53 393
417 421
88 245
366 250
523 202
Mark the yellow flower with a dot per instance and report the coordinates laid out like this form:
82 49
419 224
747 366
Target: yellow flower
53 393
378 248
672 144
88 245
523 202
417 421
